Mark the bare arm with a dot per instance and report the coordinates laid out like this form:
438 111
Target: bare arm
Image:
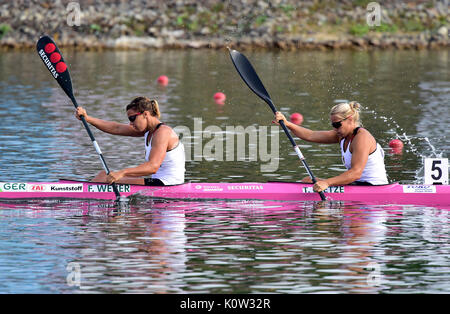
362 145
324 137
160 144
110 127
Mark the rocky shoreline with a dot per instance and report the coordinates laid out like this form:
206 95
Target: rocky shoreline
179 24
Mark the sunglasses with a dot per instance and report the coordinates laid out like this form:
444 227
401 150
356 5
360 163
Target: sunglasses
338 124
133 117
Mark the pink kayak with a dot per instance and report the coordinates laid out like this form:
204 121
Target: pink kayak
282 191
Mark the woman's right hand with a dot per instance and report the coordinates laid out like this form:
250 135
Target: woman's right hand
80 111
279 117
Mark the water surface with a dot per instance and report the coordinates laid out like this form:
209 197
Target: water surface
222 247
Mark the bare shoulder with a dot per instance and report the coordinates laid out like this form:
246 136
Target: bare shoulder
163 134
363 133
164 130
169 131
364 138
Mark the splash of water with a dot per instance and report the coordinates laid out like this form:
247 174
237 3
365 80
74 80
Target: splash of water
398 132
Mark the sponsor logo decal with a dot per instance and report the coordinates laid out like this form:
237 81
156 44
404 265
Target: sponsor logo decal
36 187
66 188
330 189
13 187
48 63
419 189
50 187
245 187
108 188
210 188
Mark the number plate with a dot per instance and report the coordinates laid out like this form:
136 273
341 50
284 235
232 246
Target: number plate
436 171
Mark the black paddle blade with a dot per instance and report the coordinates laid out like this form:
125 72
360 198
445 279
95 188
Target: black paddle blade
248 74
54 61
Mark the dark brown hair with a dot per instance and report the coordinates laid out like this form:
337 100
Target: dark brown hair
142 104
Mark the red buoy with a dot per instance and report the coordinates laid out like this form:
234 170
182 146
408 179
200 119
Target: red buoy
396 146
396 143
219 98
296 118
163 80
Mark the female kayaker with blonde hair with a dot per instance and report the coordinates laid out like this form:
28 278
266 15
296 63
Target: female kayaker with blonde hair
361 154
164 153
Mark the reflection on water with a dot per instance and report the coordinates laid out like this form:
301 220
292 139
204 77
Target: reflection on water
221 247
224 247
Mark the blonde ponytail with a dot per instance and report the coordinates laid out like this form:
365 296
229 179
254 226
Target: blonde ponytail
345 110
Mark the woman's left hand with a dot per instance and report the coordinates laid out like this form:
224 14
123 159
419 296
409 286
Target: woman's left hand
114 176
319 186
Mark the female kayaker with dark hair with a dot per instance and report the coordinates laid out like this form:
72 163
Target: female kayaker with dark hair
361 154
164 152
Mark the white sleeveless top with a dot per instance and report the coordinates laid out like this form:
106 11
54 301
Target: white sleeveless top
171 171
374 171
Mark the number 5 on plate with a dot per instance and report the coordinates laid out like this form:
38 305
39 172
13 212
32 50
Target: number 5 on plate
436 171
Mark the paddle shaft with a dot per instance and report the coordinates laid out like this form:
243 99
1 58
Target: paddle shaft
96 146
297 149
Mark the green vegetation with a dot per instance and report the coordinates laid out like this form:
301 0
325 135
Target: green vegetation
413 26
364 29
320 5
96 28
137 26
430 4
139 30
359 29
4 28
385 28
362 3
184 21
181 19
217 7
280 29
205 18
443 20
214 28
287 9
193 26
260 20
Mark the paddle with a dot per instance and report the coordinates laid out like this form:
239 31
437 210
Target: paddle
248 74
52 58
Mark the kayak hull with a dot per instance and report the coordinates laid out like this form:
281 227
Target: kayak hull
280 191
